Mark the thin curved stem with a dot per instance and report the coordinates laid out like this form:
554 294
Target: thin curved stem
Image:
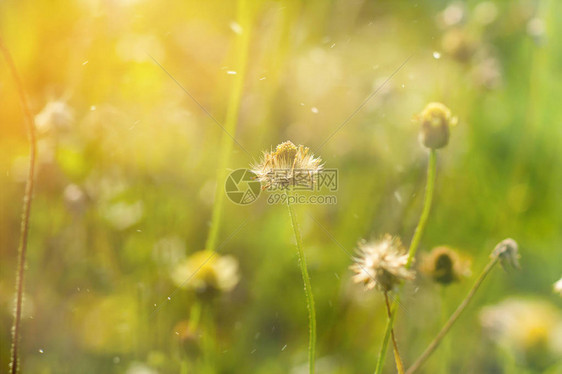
433 345
430 184
22 249
387 333
307 288
231 121
399 364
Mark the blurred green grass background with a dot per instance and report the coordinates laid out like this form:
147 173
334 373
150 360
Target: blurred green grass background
128 163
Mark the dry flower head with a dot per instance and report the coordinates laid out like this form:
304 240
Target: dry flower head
288 166
381 264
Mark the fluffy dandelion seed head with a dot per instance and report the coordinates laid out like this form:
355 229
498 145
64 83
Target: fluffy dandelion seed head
381 264
207 274
288 166
508 252
435 121
445 266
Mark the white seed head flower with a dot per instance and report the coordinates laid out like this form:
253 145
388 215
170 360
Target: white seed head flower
558 287
288 166
381 264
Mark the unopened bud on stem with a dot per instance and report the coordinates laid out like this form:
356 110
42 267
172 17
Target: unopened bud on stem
435 121
508 253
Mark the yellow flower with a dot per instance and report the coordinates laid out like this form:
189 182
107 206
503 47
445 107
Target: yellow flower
381 264
205 271
288 166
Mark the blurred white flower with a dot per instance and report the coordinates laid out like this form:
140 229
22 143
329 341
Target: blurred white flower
122 215
56 115
487 72
74 198
453 14
140 368
536 27
169 251
537 30
530 329
558 287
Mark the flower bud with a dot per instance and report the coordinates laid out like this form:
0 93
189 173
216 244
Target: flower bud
508 253
435 121
445 266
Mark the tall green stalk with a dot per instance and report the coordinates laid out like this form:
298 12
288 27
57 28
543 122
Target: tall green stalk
307 288
397 359
430 184
28 195
233 109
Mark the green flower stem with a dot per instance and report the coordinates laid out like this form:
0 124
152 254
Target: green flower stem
28 195
233 109
398 360
208 340
433 345
446 347
430 184
307 288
